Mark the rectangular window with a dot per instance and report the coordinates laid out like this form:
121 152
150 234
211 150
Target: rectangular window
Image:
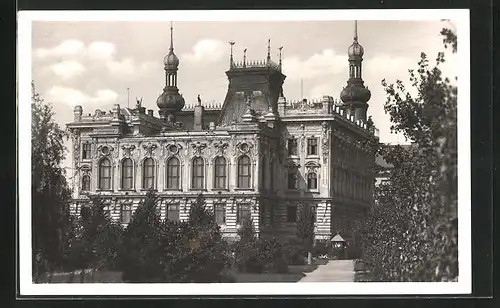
312 146
292 179
291 213
292 146
312 181
243 212
220 213
86 150
126 213
173 212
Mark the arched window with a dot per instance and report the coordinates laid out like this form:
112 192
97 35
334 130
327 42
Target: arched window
85 183
127 174
173 173
244 172
105 174
220 172
198 174
148 175
312 180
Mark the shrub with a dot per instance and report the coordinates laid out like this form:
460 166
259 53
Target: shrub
141 253
321 248
295 253
272 256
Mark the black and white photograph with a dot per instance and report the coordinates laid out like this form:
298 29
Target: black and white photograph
298 152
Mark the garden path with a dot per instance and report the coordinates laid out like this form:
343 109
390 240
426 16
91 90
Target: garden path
333 271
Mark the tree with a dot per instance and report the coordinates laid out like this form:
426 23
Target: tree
140 256
51 194
305 230
247 251
411 232
95 239
196 251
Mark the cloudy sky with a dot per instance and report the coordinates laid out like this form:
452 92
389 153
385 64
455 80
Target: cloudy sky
93 63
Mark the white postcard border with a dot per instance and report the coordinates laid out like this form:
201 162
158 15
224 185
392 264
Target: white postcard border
27 287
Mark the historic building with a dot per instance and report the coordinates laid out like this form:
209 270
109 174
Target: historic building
255 155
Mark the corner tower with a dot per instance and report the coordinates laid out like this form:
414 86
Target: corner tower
355 95
257 82
170 101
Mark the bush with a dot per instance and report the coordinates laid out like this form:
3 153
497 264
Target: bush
321 248
258 255
295 253
140 255
272 256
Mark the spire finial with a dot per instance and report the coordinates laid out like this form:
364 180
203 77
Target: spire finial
244 57
280 56
231 55
356 30
268 49
171 37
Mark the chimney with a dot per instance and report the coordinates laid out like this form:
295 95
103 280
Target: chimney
77 111
198 116
150 112
142 110
327 102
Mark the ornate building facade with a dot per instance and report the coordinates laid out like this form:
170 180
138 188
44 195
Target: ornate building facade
256 155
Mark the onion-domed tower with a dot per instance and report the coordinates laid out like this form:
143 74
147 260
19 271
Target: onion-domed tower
355 95
170 101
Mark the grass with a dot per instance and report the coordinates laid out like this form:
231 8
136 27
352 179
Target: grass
295 273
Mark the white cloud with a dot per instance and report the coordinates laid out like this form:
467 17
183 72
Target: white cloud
208 50
65 48
127 68
101 50
72 97
320 64
67 69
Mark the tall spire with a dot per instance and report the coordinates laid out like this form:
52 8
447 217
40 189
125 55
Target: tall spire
355 30
355 95
171 37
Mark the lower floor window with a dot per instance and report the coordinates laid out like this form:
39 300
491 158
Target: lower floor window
220 213
126 213
243 213
173 212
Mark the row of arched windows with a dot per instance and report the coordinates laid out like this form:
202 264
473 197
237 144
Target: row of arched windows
173 174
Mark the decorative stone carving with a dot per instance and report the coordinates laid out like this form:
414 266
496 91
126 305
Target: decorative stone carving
117 146
220 147
75 136
95 153
198 148
312 166
104 150
149 149
127 150
325 144
244 147
85 170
